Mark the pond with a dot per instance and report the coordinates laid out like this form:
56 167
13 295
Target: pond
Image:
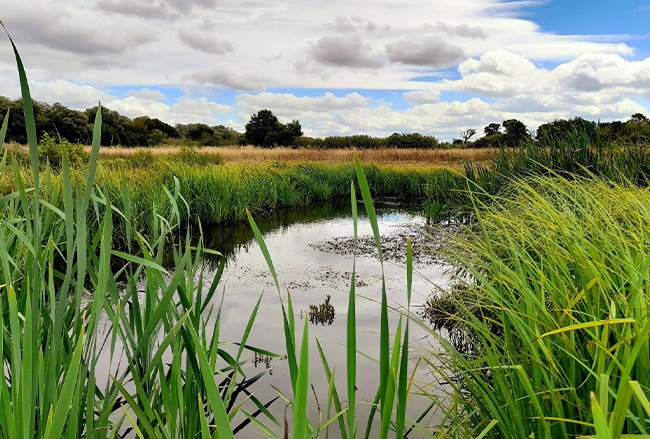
312 254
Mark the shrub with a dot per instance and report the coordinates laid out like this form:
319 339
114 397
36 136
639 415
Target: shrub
143 158
190 156
53 150
411 140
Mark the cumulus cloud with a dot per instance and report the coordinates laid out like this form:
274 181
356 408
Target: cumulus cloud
185 110
80 32
205 42
287 102
342 24
431 51
147 93
422 96
344 51
68 93
589 79
223 78
460 30
154 8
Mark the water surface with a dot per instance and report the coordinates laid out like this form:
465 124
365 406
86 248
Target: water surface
313 273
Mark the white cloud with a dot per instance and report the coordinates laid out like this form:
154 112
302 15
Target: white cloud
147 93
205 41
430 96
76 51
227 78
68 93
344 51
185 110
290 106
431 51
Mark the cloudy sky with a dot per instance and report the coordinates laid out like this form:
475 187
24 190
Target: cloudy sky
339 66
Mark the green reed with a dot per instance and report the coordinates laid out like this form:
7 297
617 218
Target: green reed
554 307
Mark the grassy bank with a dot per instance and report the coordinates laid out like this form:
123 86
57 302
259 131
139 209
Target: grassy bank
89 351
555 307
453 158
219 193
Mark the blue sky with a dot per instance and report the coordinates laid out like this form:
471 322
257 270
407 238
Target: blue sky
436 66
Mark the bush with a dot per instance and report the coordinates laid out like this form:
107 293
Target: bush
52 151
191 156
411 140
143 158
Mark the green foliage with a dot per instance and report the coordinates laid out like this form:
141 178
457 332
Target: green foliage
554 309
492 129
143 158
497 140
410 140
191 157
561 128
52 151
264 129
65 314
515 132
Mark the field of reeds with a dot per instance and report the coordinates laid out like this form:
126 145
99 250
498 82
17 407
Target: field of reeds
553 268
215 192
452 158
553 312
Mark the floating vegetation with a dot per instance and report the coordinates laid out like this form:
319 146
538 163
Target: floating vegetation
322 314
259 359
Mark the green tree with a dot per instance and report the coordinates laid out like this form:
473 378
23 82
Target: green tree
67 124
264 129
639 118
516 132
492 129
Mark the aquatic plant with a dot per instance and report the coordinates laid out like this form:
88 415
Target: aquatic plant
68 320
554 308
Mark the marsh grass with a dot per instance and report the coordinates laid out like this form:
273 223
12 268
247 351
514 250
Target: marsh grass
454 158
92 351
555 307
217 194
65 327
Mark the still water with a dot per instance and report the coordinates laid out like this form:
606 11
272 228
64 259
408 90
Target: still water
312 254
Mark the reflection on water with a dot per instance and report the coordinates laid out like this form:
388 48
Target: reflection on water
318 280
263 359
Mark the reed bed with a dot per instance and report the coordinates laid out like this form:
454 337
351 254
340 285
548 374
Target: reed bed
555 311
454 158
66 315
221 193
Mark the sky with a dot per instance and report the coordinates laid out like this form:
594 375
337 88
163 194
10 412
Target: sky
340 67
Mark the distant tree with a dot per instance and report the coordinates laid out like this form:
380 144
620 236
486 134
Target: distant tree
492 129
457 142
157 124
114 127
410 140
492 141
67 124
199 131
467 134
639 118
563 129
226 135
264 129
516 132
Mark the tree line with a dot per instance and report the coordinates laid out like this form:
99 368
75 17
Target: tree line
265 130
513 132
58 121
